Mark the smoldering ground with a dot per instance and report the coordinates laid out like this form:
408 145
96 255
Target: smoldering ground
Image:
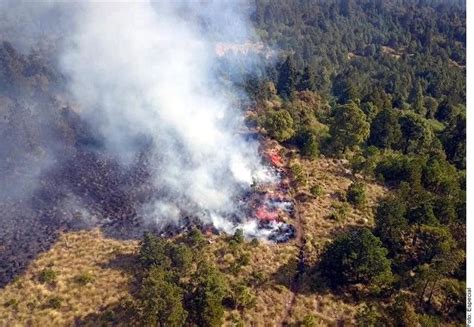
113 116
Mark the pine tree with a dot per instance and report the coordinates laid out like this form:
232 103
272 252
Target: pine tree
287 78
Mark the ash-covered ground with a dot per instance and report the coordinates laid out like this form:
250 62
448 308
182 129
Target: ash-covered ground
55 177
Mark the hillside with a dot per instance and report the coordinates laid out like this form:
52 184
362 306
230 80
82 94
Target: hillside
263 163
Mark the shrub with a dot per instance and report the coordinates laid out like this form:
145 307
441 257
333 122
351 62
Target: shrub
244 296
254 242
339 212
308 321
238 236
12 303
356 194
47 276
299 174
278 124
84 278
316 190
54 302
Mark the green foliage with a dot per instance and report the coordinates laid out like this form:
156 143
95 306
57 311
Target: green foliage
195 238
416 133
278 124
316 190
356 194
287 78
339 211
239 236
206 299
308 143
84 278
402 312
153 251
54 302
308 80
385 130
12 303
356 257
160 300
308 321
397 168
349 127
254 242
368 316
299 174
244 297
391 223
47 276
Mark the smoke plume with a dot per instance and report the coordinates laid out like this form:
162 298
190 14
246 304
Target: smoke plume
143 73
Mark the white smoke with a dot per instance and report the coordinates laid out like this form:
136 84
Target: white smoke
142 70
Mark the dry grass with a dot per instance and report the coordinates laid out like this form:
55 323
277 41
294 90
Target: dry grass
109 262
75 254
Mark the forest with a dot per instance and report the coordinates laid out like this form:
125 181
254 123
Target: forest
365 103
383 85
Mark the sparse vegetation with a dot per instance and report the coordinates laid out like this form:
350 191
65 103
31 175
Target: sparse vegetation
84 278
316 190
54 302
47 276
371 88
356 194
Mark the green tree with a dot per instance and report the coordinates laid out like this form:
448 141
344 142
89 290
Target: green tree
369 316
153 251
160 301
348 127
278 124
417 99
287 78
307 142
356 257
416 133
454 141
390 222
207 295
385 130
308 80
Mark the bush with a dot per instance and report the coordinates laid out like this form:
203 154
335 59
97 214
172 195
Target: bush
339 212
12 303
84 278
308 143
254 242
238 236
356 194
278 124
54 302
244 297
308 321
299 174
316 190
47 276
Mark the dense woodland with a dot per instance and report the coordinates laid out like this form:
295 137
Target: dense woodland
382 84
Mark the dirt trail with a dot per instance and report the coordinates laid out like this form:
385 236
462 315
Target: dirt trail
300 269
295 282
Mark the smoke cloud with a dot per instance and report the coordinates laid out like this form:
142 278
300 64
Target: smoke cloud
143 73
